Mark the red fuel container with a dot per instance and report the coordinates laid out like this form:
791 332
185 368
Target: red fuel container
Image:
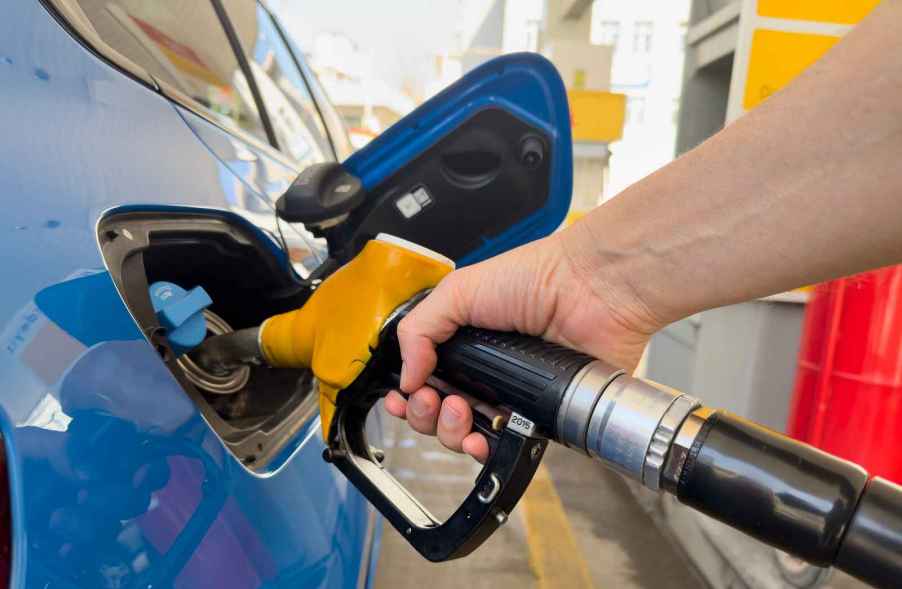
848 390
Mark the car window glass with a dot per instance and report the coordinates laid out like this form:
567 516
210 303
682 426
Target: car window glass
182 43
299 130
338 132
334 122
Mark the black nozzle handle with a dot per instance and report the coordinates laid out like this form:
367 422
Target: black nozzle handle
523 373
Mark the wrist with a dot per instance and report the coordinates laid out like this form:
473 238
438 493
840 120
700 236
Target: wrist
616 273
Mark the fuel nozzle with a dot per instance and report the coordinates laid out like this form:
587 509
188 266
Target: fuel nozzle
336 331
221 355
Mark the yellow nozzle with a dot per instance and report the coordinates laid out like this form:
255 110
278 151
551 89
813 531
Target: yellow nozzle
339 324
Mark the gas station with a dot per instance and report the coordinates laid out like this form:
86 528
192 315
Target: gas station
554 293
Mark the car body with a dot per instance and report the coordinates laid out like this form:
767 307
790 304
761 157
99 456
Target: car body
82 136
150 141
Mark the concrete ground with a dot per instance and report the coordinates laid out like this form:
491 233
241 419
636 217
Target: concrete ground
580 526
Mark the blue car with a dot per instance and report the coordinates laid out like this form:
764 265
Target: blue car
144 147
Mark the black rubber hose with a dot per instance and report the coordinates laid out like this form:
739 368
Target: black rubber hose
872 547
781 491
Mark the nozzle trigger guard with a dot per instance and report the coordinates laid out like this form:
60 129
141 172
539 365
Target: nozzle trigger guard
515 455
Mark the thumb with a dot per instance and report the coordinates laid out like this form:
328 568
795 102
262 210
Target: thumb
433 321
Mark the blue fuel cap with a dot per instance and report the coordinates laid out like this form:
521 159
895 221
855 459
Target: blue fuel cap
181 313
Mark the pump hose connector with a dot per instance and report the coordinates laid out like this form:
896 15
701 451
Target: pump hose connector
222 354
781 491
627 423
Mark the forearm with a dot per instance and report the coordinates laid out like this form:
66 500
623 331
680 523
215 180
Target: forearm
804 188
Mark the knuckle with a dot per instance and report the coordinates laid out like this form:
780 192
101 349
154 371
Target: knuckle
406 326
454 284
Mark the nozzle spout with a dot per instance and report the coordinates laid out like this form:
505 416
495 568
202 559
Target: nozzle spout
221 354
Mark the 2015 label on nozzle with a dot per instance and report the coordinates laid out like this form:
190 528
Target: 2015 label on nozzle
521 425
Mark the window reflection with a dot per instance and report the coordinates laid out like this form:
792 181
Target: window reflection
181 43
292 111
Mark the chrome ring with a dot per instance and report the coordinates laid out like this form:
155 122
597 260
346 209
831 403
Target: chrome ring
680 449
227 384
578 403
624 423
657 451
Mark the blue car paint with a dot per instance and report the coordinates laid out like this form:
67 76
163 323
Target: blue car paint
526 85
117 481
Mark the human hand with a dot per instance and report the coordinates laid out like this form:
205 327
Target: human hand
543 288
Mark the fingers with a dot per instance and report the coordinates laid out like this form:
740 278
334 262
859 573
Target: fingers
422 410
476 446
455 422
433 321
451 419
396 404
418 359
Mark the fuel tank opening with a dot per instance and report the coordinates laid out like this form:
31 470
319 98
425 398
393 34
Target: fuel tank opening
225 382
196 277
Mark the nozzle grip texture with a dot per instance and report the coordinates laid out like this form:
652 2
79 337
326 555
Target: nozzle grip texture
523 373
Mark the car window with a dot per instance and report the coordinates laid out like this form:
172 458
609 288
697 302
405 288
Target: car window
298 127
337 129
181 43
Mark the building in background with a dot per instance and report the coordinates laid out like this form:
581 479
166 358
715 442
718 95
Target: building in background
648 39
367 104
597 114
485 29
